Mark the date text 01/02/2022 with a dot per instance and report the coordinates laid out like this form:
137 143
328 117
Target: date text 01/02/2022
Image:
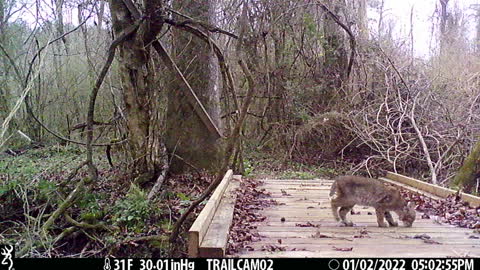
407 264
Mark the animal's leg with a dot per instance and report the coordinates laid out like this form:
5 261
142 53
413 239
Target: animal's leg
334 205
343 215
390 220
380 217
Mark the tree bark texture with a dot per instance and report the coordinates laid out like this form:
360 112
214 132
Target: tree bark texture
362 17
336 59
186 135
470 170
137 76
444 36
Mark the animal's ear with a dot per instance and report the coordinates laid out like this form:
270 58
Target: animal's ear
386 199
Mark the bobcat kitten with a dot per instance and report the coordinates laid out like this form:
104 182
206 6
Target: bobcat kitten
352 190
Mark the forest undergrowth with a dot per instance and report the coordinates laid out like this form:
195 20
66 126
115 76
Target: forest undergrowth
112 219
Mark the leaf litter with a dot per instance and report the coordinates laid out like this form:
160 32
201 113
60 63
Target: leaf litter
308 224
251 199
451 210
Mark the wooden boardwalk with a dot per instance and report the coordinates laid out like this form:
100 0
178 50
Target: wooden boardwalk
306 201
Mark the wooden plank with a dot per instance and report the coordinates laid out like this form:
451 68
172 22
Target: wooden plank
372 251
200 226
273 217
315 218
323 191
300 205
296 179
357 246
304 185
301 196
319 199
426 223
373 228
314 213
293 242
284 186
434 189
214 243
315 208
312 192
398 235
270 188
314 254
330 222
297 182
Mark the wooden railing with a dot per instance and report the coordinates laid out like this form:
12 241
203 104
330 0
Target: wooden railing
430 188
208 235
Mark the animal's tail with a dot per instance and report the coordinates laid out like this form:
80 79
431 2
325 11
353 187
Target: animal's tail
333 189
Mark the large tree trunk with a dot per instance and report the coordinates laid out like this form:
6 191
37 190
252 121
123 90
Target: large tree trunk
186 136
362 21
137 77
4 93
477 36
336 60
444 37
470 170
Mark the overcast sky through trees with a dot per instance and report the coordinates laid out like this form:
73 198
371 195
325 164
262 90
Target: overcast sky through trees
396 11
424 15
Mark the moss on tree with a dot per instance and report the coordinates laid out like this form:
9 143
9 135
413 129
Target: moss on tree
470 170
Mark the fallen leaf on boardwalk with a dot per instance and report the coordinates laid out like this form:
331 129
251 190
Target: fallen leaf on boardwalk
473 237
430 241
249 248
342 249
282 219
320 235
300 249
308 224
272 248
422 236
284 193
310 207
363 233
279 241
